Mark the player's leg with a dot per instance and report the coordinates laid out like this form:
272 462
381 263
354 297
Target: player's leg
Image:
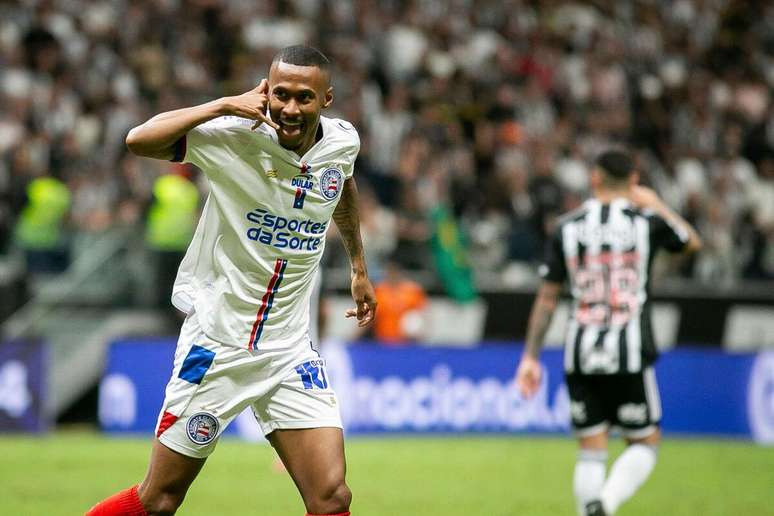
201 399
314 458
166 483
301 419
590 425
639 415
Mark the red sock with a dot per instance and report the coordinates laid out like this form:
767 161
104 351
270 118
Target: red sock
125 503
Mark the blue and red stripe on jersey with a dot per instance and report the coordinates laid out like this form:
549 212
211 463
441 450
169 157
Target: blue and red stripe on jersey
298 202
266 303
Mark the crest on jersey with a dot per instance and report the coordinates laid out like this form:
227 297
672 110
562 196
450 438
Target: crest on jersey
202 428
331 183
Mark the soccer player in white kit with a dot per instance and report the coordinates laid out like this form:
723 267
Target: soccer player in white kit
278 173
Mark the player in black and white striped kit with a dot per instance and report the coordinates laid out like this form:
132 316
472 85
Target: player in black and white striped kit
605 249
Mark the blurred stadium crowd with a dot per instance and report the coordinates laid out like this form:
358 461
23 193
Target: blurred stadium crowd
494 109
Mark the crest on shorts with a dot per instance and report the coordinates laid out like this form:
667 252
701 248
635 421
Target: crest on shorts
202 428
330 183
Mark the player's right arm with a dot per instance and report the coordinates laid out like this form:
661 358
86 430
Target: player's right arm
647 198
529 372
157 137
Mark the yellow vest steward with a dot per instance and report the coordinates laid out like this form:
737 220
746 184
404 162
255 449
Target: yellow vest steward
40 222
172 218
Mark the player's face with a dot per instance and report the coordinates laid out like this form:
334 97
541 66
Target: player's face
297 94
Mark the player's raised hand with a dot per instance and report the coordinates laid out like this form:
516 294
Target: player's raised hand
528 376
365 301
644 197
252 105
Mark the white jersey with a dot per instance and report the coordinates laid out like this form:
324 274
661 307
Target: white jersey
249 271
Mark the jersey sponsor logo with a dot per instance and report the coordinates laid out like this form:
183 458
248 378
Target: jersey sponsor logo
285 233
331 183
312 374
272 174
202 428
302 181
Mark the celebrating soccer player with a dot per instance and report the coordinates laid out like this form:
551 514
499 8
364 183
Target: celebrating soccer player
278 172
605 249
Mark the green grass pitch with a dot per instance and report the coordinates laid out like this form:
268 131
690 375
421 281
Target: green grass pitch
64 473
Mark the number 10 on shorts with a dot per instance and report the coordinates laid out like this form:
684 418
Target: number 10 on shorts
313 374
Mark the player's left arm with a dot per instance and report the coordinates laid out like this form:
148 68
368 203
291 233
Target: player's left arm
347 219
529 372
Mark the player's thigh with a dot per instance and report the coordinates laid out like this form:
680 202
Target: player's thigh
589 409
637 406
301 418
210 385
314 457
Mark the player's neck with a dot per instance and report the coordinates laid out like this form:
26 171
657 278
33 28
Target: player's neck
318 134
608 195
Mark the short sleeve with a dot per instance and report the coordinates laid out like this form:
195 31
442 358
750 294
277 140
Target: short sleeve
554 268
353 146
667 236
210 143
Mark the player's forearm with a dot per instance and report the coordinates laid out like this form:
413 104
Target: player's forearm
347 219
540 317
156 138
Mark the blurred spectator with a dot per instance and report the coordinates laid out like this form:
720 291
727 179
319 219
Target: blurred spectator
402 303
170 227
40 228
493 109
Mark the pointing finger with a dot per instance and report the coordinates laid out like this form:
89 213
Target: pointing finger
263 86
260 118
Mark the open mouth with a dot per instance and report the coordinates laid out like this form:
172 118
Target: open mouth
291 129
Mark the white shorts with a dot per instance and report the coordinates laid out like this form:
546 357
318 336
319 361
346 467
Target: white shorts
212 383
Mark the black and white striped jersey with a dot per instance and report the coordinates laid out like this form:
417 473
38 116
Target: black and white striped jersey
605 251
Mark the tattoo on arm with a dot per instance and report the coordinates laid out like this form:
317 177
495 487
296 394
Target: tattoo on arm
540 317
347 219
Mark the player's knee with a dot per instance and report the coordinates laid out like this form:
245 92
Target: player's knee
653 439
334 498
342 496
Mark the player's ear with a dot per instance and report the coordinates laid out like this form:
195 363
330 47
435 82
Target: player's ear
328 97
634 178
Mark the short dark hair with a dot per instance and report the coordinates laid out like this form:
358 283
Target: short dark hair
616 164
302 55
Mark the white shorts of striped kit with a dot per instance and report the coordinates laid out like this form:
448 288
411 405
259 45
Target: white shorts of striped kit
213 383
